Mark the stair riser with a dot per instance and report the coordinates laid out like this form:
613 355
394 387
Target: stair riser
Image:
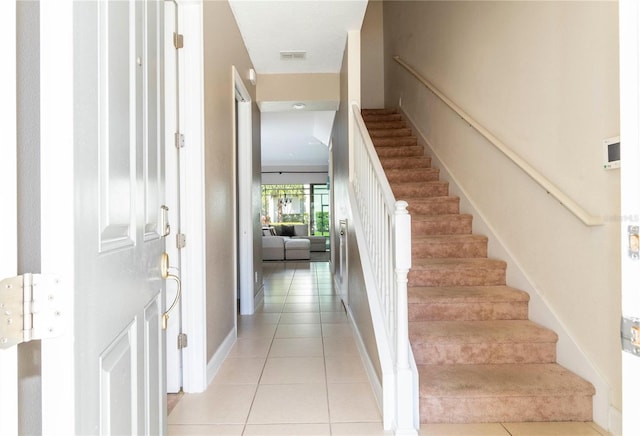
475 311
406 163
459 226
484 353
395 142
454 249
381 125
408 151
448 277
426 190
372 118
505 409
436 207
388 133
413 175
379 111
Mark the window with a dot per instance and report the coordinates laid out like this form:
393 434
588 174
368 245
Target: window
297 204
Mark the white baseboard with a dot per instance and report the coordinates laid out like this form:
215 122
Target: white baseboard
615 421
258 299
376 384
213 366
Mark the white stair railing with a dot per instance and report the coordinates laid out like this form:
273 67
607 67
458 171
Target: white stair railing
383 229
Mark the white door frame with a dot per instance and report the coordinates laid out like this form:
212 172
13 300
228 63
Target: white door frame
243 141
194 321
57 205
629 32
8 218
172 194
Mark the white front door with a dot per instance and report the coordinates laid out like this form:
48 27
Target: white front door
629 11
102 175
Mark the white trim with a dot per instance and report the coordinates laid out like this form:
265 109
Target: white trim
213 366
615 421
172 200
629 38
374 381
8 218
259 298
194 321
57 204
569 354
243 140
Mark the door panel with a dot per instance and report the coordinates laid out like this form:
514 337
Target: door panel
117 121
118 369
153 144
118 115
153 367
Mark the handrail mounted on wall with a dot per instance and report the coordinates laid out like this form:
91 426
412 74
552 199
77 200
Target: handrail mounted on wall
547 185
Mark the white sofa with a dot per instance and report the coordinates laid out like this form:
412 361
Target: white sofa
317 243
283 247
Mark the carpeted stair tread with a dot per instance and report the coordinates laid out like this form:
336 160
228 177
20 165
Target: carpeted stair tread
468 303
406 162
449 246
457 272
504 380
388 133
379 111
402 151
417 190
441 224
396 141
378 125
481 342
368 118
413 175
465 294
474 332
444 205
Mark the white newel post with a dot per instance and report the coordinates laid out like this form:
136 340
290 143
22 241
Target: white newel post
404 376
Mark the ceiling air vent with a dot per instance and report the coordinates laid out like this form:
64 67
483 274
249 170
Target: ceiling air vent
293 55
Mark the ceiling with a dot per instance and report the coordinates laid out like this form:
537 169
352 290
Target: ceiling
317 28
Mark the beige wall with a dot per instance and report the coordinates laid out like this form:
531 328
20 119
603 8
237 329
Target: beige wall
372 57
297 87
220 204
543 77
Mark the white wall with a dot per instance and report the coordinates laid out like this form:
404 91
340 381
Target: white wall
543 77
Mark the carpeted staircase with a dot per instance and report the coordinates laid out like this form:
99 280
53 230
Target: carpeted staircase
479 357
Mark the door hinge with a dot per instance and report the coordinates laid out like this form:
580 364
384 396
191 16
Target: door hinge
182 341
30 308
181 240
179 140
630 335
178 40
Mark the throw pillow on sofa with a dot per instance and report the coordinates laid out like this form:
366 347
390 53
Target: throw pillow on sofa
288 231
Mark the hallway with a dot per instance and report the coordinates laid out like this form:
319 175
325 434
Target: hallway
295 370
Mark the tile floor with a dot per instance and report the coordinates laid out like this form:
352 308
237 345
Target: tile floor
295 370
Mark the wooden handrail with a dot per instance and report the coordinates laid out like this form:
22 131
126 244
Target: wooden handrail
554 191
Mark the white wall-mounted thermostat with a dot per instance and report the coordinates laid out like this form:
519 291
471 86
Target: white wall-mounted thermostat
611 148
